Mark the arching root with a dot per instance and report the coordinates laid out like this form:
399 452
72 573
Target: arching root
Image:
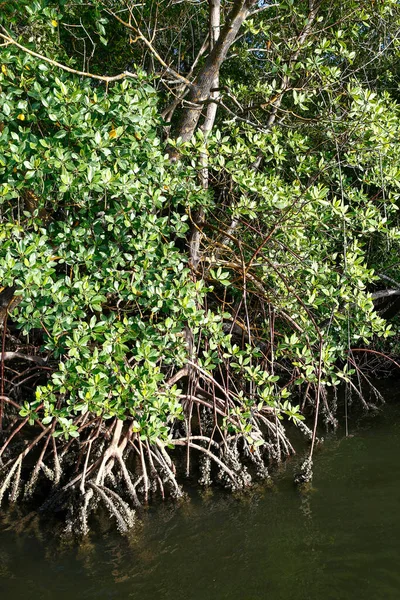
111 465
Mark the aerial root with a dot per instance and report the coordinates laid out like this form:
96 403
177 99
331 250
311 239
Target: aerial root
12 479
233 462
111 465
205 471
144 471
131 487
256 458
84 511
118 508
155 478
40 466
281 445
108 480
166 472
12 468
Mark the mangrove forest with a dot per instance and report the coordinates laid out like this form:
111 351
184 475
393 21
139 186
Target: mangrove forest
199 241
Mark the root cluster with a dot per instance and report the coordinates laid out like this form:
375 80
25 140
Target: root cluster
113 466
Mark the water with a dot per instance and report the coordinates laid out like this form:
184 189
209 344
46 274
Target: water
341 541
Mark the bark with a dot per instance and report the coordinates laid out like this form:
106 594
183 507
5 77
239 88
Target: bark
198 217
208 79
204 81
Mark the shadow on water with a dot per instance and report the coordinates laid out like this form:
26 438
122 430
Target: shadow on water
339 541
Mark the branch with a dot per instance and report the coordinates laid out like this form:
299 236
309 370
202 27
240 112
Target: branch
179 375
16 355
150 46
313 11
385 294
201 88
383 276
9 40
262 8
183 89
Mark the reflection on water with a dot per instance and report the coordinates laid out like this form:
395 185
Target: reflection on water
339 541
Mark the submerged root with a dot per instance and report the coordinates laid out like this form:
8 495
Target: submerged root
305 474
205 471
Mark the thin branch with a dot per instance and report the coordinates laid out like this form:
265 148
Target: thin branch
55 63
262 8
150 46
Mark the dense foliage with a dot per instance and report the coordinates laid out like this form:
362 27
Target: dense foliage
178 281
102 277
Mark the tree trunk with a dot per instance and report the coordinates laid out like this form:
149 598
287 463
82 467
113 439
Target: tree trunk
204 81
198 218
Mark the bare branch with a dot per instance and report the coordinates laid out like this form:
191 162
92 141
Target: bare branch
385 294
262 8
150 46
107 79
17 355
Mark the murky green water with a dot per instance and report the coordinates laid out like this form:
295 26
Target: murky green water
342 541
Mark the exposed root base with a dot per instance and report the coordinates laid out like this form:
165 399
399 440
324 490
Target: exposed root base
112 466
